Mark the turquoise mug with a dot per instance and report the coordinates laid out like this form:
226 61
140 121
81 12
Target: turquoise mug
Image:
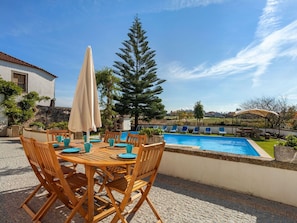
129 148
59 138
111 142
88 147
66 142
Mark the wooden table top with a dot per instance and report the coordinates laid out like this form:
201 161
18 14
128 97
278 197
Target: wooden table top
101 154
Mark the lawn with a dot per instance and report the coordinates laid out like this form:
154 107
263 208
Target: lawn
267 145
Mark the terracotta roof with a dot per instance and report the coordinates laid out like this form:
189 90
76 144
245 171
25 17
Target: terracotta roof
11 59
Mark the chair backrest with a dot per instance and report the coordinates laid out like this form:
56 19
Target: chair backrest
52 133
207 129
112 135
32 156
148 161
185 128
221 129
174 127
196 129
136 139
28 145
52 170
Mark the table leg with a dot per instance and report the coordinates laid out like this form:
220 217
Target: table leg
90 171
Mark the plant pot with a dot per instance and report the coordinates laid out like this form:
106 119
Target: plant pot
155 139
13 131
285 154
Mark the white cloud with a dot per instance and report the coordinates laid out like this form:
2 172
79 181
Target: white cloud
268 20
255 58
180 4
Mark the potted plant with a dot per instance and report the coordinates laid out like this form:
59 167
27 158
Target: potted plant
154 135
286 150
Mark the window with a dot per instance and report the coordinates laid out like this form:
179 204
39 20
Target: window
20 80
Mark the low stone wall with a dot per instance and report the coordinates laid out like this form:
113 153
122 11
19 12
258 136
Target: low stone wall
41 135
261 177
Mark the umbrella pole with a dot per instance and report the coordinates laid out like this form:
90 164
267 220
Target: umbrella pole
88 136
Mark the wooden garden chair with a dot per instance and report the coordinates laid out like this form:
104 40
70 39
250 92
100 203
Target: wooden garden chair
28 145
66 188
142 179
136 139
112 135
115 172
51 134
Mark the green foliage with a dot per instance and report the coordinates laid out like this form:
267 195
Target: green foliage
9 89
151 131
139 84
106 84
59 125
291 140
38 124
21 111
198 110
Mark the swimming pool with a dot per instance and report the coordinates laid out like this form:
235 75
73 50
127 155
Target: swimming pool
219 144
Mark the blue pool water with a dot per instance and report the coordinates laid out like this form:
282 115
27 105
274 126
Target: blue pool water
219 144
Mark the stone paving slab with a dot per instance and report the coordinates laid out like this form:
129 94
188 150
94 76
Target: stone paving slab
177 200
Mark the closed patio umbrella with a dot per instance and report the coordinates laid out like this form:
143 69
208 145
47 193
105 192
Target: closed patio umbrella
85 113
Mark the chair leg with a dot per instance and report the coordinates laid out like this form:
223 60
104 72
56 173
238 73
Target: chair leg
118 209
42 211
78 208
31 195
142 199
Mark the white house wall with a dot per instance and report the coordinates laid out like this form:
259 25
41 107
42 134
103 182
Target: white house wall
38 80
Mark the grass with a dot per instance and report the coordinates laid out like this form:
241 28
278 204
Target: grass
267 145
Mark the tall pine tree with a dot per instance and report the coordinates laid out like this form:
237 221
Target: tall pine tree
139 85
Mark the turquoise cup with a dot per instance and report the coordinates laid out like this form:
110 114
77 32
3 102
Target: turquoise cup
129 148
88 147
66 142
59 138
85 138
111 142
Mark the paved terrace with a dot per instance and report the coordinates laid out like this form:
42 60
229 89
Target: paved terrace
177 200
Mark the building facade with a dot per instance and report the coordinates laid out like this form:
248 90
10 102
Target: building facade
29 77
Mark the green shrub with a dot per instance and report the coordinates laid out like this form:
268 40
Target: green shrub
151 131
38 124
291 140
59 125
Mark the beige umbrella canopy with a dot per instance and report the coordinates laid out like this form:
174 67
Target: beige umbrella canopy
85 113
261 112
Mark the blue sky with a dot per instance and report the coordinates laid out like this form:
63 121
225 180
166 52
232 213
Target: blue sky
219 52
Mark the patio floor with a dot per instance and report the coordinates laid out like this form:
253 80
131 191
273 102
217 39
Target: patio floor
177 200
